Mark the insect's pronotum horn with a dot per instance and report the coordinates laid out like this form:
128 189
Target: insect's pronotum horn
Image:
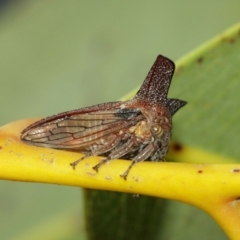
156 84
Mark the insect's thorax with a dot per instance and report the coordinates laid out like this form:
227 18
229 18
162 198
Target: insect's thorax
155 115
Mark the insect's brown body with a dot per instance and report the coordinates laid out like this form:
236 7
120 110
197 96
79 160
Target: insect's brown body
138 129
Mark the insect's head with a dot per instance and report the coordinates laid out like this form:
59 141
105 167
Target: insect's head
161 124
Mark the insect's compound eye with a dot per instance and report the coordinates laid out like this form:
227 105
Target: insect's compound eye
156 130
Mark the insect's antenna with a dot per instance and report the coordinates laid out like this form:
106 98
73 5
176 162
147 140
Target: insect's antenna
155 86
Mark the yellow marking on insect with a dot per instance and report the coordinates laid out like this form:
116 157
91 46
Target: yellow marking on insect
140 129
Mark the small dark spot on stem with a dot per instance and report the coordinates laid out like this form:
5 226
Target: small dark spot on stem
200 171
237 198
223 39
229 40
177 147
200 60
236 170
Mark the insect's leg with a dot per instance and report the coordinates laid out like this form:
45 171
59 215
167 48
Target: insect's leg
100 149
144 154
117 152
75 163
96 167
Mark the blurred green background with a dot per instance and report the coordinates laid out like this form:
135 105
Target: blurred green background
62 55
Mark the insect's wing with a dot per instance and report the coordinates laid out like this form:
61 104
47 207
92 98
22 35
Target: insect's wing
98 107
81 128
156 85
175 104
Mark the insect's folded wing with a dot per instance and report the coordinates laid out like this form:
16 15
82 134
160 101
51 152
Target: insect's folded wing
79 130
95 108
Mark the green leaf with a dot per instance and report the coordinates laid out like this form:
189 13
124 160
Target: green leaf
209 79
